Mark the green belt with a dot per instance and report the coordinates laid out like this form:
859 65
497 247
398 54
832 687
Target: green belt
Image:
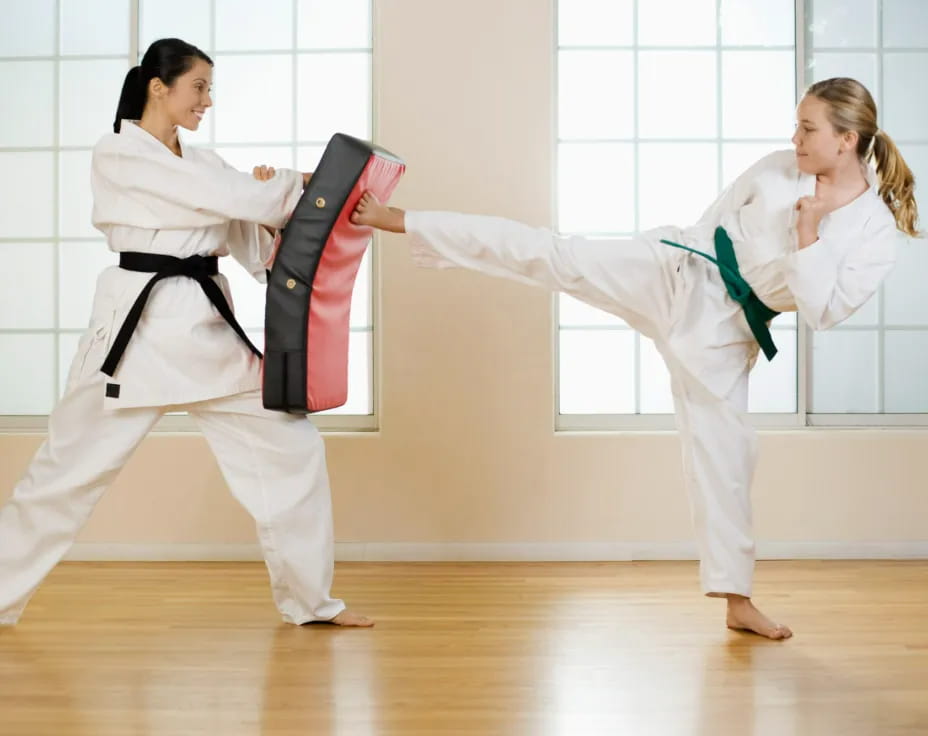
757 313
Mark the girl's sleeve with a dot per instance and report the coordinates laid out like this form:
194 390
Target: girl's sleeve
831 281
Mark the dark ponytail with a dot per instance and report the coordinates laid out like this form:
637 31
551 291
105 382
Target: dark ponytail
131 99
166 59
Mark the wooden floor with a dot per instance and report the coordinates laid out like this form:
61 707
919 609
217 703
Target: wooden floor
572 649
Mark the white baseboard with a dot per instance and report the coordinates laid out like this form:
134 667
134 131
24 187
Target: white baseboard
500 552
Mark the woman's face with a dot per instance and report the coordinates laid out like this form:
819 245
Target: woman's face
186 101
819 147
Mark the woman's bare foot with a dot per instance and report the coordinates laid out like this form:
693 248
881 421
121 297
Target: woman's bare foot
350 618
369 211
743 616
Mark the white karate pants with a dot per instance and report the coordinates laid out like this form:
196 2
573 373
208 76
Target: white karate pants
671 297
274 465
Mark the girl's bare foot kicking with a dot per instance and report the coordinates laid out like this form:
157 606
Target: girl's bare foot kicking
369 211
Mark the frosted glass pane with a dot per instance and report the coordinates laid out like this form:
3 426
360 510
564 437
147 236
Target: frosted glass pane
905 23
584 111
27 289
248 295
323 24
739 157
596 187
841 23
89 94
79 266
27 197
253 97
574 313
844 372
656 397
753 110
680 197
28 28
95 27
772 384
67 350
186 19
245 159
75 200
867 316
334 96
904 290
361 295
677 23
595 22
906 367
243 26
758 22
677 94
905 114
597 372
308 157
35 103
360 394
27 391
862 67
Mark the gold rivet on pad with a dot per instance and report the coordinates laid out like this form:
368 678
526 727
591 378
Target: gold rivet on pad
291 283
320 202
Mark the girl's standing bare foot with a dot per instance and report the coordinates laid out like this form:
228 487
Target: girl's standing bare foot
350 618
743 616
369 211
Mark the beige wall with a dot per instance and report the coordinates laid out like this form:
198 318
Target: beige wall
466 450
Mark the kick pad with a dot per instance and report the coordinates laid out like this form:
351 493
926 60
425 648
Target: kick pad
310 285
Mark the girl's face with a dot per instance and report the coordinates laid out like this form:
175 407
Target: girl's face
185 102
819 147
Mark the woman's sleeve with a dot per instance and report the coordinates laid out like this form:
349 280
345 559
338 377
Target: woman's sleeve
167 192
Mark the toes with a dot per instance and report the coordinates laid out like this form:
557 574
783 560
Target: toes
780 632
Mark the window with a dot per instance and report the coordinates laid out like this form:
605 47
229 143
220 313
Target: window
679 90
286 79
681 96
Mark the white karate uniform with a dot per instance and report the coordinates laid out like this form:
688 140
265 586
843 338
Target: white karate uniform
679 300
182 355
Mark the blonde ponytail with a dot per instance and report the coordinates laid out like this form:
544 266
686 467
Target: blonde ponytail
897 185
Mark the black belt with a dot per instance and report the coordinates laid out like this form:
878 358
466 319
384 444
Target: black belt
201 268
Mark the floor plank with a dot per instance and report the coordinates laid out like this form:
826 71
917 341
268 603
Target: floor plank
542 649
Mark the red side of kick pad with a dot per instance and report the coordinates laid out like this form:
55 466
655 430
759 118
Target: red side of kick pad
330 306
